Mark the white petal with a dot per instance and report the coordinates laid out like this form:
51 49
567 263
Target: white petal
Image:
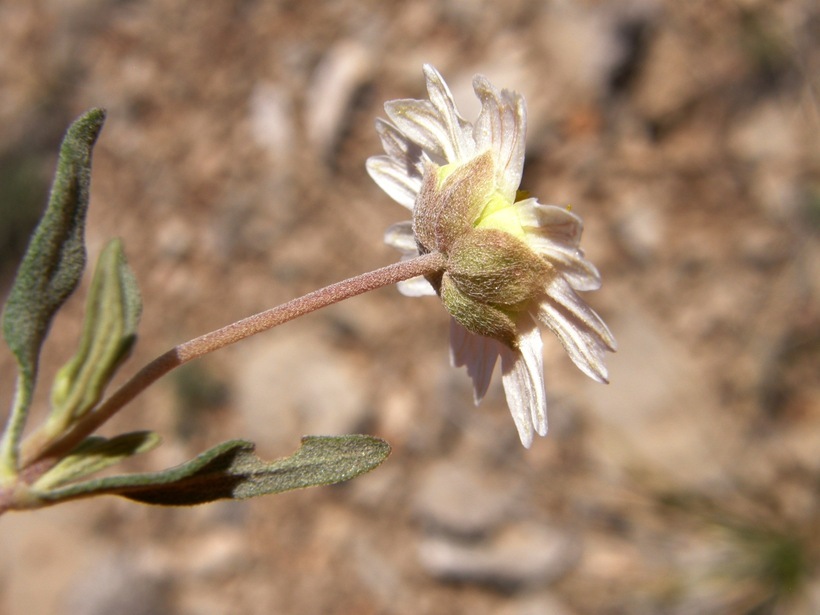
478 353
554 233
581 331
421 122
459 131
570 262
522 373
400 186
400 148
551 222
416 287
401 237
502 126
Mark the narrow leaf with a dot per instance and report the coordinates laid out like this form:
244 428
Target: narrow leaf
55 259
49 272
231 470
111 317
95 454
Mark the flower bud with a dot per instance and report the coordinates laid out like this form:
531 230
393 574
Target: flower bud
491 273
450 200
477 317
510 261
495 267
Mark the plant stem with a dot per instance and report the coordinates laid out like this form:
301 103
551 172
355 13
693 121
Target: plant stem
10 439
45 454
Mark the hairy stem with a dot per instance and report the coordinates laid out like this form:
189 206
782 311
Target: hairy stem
10 439
39 456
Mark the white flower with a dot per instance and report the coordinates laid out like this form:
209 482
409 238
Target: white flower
511 263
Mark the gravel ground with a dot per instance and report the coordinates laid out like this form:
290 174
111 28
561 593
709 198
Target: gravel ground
232 164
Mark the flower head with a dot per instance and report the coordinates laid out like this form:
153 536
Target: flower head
511 263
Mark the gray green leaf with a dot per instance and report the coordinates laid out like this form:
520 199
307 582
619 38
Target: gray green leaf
50 270
55 259
231 470
111 317
95 454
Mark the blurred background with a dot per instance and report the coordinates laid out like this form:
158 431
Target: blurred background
232 164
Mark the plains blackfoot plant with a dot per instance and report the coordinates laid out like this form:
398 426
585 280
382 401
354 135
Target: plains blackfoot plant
501 262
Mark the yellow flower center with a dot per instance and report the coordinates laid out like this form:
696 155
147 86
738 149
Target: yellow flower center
497 213
445 171
500 214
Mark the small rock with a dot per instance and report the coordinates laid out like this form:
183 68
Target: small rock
461 501
525 554
115 585
767 133
342 71
217 554
641 228
765 247
542 603
669 80
272 120
175 239
379 574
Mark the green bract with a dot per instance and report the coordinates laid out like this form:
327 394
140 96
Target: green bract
112 314
491 273
496 268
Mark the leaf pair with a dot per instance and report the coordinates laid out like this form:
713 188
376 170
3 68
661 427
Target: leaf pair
110 331
228 471
51 270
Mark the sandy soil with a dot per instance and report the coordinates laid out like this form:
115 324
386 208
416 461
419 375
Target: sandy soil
232 165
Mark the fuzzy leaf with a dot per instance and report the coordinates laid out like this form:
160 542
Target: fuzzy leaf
55 259
50 270
95 454
231 470
111 317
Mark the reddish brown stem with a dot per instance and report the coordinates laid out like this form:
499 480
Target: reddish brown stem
38 461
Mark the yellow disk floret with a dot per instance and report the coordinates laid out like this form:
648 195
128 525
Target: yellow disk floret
499 213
